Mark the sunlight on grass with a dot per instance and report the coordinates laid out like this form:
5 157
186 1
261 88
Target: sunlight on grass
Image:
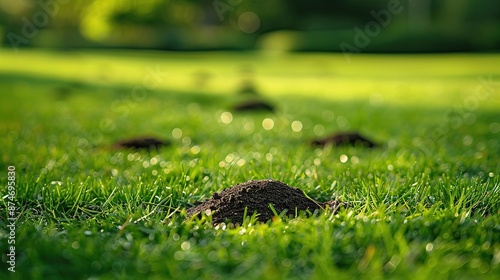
399 79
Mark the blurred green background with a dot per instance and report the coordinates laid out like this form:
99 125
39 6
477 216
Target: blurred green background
292 25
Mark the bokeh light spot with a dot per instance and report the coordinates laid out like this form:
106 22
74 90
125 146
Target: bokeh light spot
249 22
268 124
343 158
195 150
226 118
297 126
319 129
177 133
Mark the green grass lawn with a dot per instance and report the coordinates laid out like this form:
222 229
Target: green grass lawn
424 205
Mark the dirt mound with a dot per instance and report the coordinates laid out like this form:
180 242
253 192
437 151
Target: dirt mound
253 105
138 143
345 138
256 196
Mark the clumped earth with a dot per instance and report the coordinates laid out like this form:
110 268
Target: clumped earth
138 143
345 139
253 105
256 196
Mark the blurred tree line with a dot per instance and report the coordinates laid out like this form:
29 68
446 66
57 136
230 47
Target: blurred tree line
314 25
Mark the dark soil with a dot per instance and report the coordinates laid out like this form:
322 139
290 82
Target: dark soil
254 105
345 138
146 143
229 205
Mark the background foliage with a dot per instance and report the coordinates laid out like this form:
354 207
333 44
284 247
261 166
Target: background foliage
422 26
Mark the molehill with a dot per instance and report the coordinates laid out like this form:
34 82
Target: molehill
345 139
256 196
138 143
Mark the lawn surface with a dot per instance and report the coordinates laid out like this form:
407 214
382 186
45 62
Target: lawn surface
424 205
